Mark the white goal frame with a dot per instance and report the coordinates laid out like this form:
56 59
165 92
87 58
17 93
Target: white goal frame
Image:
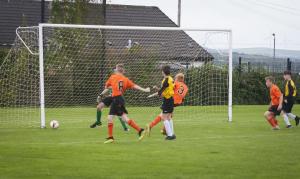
41 56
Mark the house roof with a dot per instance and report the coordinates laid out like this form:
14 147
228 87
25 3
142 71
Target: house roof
15 13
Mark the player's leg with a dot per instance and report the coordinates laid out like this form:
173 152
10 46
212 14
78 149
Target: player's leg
271 119
293 116
289 113
133 124
98 122
171 122
153 123
167 110
167 125
110 126
286 120
286 107
123 124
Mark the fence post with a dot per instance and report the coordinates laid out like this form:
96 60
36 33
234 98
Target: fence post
289 64
240 65
249 67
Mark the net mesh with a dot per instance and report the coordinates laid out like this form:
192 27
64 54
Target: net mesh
78 61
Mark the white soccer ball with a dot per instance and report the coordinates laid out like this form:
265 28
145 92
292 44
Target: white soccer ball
54 124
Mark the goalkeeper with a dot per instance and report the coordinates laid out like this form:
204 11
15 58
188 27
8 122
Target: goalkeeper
102 102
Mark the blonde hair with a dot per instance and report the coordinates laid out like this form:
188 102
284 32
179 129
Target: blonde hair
120 68
180 77
270 78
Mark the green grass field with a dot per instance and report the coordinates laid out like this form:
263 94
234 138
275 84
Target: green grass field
204 148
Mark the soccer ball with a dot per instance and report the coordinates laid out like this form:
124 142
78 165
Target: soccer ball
54 124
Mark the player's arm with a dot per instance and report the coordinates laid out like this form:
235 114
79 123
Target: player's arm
106 90
291 90
152 95
164 86
280 102
137 87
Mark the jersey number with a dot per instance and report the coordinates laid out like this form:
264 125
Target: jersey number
180 90
120 85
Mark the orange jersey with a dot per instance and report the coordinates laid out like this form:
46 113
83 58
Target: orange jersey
119 84
275 95
180 91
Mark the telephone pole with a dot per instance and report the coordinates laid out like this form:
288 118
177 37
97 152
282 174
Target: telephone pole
179 13
274 46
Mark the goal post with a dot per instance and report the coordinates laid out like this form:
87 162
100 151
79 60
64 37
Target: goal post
68 65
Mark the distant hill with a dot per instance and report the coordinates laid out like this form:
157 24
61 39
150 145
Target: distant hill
268 52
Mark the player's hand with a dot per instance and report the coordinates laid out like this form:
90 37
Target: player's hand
98 99
279 107
147 90
155 87
285 101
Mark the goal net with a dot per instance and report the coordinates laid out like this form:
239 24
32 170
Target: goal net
56 71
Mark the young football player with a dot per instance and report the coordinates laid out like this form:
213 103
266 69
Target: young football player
167 93
119 84
105 102
289 94
180 91
275 104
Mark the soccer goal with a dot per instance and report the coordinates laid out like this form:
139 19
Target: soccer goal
56 71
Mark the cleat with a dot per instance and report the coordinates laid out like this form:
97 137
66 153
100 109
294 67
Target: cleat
148 129
289 126
126 130
109 140
142 133
297 119
173 137
96 124
276 128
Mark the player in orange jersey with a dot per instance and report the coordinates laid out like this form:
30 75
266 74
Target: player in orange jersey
119 84
275 104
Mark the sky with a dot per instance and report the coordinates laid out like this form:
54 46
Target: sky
252 21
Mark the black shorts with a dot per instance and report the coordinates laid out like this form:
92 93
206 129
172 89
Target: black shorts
167 105
117 106
107 101
273 109
287 107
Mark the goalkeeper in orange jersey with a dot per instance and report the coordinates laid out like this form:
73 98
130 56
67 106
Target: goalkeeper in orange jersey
119 84
180 91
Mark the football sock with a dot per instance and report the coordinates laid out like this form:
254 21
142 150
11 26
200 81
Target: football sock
98 117
133 125
291 115
168 127
123 123
275 121
155 121
286 120
271 121
110 129
172 127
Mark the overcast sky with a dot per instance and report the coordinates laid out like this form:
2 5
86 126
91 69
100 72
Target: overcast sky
252 21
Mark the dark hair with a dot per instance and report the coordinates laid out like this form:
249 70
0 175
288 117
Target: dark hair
287 72
166 69
270 78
